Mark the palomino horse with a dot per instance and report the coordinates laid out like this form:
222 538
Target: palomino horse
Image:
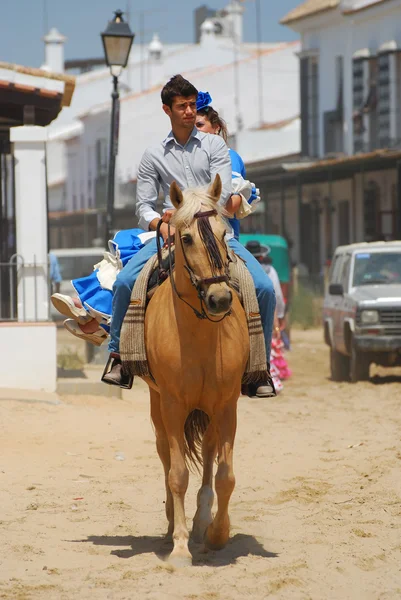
197 346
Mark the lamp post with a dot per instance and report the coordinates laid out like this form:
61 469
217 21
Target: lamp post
117 41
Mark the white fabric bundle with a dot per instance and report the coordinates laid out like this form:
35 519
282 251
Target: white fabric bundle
244 188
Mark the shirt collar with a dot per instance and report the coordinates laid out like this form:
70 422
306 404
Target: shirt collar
195 134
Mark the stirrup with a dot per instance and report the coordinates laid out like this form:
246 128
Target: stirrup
126 380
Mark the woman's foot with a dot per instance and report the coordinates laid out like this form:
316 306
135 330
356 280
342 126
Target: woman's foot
96 337
67 307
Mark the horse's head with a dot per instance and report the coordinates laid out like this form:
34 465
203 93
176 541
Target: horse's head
200 244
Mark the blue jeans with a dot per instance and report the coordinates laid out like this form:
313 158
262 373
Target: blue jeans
126 278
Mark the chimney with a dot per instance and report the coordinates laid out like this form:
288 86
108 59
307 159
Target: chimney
155 48
235 11
54 51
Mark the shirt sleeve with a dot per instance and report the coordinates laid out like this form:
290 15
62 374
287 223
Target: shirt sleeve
147 192
220 163
280 302
237 165
55 274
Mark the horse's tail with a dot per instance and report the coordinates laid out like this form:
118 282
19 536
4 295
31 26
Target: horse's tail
195 426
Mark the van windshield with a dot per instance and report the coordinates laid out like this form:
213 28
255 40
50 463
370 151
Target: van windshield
373 268
73 267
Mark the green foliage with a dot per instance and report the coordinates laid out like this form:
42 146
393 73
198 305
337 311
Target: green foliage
70 360
306 309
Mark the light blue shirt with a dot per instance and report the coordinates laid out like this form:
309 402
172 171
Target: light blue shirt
55 274
193 165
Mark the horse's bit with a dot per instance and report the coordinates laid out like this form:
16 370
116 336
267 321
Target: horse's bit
196 281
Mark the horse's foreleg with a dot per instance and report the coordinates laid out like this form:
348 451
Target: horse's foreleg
163 451
203 516
218 532
174 420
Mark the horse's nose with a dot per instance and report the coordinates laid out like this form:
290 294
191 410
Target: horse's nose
219 303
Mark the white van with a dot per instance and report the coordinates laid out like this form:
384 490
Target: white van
74 263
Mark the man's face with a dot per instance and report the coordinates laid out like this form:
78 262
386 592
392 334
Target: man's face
183 112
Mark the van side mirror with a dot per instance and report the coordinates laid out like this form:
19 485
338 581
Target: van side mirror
336 289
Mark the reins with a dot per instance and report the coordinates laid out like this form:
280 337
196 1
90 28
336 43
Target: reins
196 281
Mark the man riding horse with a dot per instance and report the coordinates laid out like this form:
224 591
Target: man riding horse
191 158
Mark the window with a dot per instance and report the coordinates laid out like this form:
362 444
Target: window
397 94
310 106
335 270
343 223
371 211
365 92
371 104
101 156
344 278
384 100
358 96
313 102
333 119
375 268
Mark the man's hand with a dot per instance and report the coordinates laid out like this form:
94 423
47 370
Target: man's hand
233 204
166 218
164 232
164 226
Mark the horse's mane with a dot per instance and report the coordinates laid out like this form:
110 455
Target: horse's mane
195 200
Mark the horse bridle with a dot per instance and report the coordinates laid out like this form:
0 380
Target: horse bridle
196 281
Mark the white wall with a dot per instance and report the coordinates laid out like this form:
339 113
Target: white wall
334 34
56 198
28 356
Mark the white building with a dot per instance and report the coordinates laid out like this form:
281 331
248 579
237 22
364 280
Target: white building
30 99
347 186
262 116
350 64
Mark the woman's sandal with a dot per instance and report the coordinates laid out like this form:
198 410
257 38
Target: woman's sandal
97 338
65 306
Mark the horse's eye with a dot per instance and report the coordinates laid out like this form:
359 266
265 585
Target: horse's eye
187 239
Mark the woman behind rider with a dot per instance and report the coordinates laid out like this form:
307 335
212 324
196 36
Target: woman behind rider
90 323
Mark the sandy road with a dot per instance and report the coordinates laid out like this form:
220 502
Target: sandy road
316 512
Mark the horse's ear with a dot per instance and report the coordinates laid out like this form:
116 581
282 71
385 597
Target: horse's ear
176 196
215 188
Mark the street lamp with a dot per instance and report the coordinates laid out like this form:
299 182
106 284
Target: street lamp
117 41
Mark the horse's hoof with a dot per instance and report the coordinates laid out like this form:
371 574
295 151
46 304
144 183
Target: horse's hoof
180 560
216 541
214 545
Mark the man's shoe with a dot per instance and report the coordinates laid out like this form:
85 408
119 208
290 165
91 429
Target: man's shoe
266 390
113 373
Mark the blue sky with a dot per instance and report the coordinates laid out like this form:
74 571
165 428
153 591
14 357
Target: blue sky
23 23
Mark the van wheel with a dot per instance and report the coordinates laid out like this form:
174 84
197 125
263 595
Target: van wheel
339 366
359 365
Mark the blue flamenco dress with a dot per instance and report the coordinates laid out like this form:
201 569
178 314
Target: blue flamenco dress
95 290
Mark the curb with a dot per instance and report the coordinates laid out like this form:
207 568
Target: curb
82 387
29 396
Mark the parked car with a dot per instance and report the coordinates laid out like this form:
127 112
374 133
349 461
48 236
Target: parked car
362 309
74 263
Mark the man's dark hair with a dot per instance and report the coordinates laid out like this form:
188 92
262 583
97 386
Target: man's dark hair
177 86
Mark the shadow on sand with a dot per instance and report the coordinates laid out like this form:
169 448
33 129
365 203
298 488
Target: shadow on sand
382 380
238 546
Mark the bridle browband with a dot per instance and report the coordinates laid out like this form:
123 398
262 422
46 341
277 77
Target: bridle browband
196 281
